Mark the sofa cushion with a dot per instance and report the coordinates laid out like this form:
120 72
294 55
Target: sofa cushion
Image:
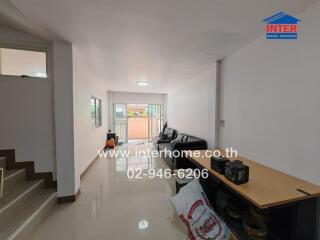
190 143
170 133
175 140
178 142
180 137
185 138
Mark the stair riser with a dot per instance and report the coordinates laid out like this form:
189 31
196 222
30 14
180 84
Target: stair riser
34 221
15 207
13 180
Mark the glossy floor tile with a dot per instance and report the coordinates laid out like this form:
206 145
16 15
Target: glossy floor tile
113 207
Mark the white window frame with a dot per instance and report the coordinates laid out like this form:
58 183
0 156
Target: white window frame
95 125
27 48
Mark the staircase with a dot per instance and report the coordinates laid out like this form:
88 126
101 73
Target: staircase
27 197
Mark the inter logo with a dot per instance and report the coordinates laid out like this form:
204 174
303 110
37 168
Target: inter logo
281 26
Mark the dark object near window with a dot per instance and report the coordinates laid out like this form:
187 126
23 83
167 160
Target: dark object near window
219 164
162 136
96 112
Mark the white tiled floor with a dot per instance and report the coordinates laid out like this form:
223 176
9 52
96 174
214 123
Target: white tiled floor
111 206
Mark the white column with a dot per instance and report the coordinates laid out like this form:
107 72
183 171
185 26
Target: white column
67 177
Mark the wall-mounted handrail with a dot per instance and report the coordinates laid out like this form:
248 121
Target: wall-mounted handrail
1 182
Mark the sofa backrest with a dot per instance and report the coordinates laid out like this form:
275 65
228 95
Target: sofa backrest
192 138
173 134
170 132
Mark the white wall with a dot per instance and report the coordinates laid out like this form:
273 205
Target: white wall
26 121
137 98
270 100
77 141
26 105
191 108
67 176
87 139
9 36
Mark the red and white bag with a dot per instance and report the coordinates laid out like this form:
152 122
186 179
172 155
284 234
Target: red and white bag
196 212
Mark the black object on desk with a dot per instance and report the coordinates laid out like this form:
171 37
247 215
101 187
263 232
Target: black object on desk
237 172
219 164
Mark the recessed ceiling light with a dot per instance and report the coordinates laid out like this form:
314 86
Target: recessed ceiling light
143 224
143 83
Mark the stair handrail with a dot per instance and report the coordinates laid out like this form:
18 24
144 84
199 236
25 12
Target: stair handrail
1 181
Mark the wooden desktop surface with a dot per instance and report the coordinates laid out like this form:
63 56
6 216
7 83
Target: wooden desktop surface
267 187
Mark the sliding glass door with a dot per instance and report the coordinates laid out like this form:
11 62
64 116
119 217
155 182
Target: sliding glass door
137 121
155 120
120 121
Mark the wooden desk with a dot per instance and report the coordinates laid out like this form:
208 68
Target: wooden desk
267 187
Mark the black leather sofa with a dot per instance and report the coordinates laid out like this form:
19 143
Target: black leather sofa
166 136
171 140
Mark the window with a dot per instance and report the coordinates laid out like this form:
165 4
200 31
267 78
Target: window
96 112
16 62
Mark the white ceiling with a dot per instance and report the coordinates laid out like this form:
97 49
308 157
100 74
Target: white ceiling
166 42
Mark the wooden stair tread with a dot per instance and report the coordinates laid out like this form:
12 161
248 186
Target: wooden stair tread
9 173
13 193
25 201
30 209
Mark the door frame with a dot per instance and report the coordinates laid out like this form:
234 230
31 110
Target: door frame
150 122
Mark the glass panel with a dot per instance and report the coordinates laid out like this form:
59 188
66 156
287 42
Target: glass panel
120 121
137 121
156 119
16 62
98 120
95 109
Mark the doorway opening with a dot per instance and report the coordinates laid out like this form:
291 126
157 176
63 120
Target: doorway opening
137 122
